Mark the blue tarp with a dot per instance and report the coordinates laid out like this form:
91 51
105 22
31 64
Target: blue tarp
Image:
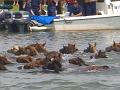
44 19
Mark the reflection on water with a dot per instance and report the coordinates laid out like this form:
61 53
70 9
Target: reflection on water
14 79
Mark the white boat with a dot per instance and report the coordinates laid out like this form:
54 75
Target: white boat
108 20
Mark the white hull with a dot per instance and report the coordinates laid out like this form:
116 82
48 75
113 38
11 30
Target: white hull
41 28
96 22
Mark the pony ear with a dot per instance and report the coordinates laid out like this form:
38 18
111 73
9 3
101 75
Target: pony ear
44 44
89 44
36 42
95 44
74 45
69 44
114 43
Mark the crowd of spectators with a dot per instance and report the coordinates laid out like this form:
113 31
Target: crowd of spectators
54 7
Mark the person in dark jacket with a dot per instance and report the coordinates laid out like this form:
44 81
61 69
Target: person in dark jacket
76 10
82 5
90 7
10 2
36 6
70 5
27 7
20 2
51 8
59 8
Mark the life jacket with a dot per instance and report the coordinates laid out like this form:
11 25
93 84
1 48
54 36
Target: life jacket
70 1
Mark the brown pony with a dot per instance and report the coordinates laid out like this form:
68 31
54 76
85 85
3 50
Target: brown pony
17 50
53 60
53 56
77 61
40 47
91 48
24 59
96 68
101 54
4 60
70 49
115 47
35 64
31 50
2 67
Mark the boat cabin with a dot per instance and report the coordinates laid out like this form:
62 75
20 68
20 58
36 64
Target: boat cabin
109 7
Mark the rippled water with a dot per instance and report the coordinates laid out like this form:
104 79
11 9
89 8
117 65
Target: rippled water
72 78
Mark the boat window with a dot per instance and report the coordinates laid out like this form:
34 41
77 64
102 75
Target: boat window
118 7
104 0
109 7
100 0
115 0
115 7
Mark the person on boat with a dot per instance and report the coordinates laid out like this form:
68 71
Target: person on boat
70 5
90 7
27 7
76 10
20 2
81 3
43 7
51 7
8 2
36 6
59 8
11 2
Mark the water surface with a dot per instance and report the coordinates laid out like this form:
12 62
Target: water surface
72 78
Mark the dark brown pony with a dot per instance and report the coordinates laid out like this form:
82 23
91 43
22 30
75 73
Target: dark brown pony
53 60
77 61
24 59
4 60
2 67
115 47
40 47
101 54
70 49
35 64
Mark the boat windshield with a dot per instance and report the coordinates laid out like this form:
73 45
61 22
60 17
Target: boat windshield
104 0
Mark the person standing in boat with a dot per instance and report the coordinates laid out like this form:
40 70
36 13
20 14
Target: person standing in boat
81 3
90 7
59 8
27 7
8 2
36 6
70 5
51 7
20 2
76 10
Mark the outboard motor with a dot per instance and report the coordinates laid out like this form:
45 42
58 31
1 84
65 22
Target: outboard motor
17 21
8 20
21 20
